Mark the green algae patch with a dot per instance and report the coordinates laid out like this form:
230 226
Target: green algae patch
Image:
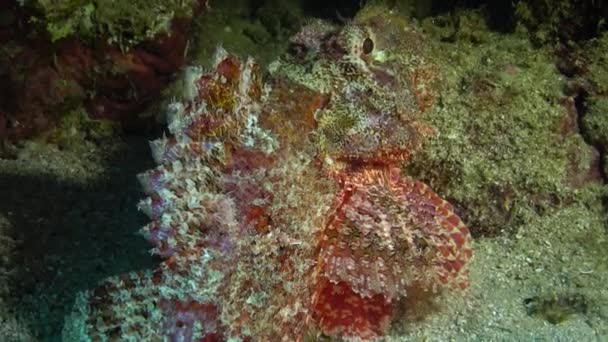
76 131
244 31
507 147
595 120
123 22
598 63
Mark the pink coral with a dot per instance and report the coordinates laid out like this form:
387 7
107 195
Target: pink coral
281 219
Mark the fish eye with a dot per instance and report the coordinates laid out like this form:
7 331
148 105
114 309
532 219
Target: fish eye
297 50
368 46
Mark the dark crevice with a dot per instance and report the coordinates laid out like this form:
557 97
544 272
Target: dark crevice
337 10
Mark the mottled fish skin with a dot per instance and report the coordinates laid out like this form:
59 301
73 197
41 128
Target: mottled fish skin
279 206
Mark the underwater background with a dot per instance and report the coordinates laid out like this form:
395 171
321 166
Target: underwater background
503 113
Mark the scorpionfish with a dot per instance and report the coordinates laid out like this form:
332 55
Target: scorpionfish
279 206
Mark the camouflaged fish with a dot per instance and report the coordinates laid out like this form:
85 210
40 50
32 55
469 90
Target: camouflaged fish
279 205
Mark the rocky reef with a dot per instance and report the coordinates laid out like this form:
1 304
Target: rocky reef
290 198
112 59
